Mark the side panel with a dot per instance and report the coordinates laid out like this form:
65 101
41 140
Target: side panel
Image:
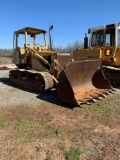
19 56
15 57
117 58
111 56
86 54
108 55
37 65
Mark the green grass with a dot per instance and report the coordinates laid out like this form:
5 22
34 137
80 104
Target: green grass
4 123
73 154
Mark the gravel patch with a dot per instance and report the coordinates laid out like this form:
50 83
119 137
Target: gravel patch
11 95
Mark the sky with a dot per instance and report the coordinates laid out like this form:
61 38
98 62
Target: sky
70 18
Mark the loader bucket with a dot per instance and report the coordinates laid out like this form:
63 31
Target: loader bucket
81 82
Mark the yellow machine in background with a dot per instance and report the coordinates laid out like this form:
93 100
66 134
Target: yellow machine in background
41 68
104 43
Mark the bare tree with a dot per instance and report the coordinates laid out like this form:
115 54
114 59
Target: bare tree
6 52
71 47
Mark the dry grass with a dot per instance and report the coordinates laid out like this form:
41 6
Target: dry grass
46 132
5 60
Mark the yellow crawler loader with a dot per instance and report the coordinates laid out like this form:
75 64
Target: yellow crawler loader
41 68
104 43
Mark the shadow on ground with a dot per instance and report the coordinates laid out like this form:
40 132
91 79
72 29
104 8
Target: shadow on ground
52 97
49 96
5 81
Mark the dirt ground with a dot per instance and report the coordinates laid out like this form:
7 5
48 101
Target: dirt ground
37 126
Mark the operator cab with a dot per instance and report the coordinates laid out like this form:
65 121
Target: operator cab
108 35
29 36
28 40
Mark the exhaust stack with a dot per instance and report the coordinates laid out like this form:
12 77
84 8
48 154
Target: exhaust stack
85 41
50 36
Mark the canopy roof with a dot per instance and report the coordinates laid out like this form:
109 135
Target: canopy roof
30 31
